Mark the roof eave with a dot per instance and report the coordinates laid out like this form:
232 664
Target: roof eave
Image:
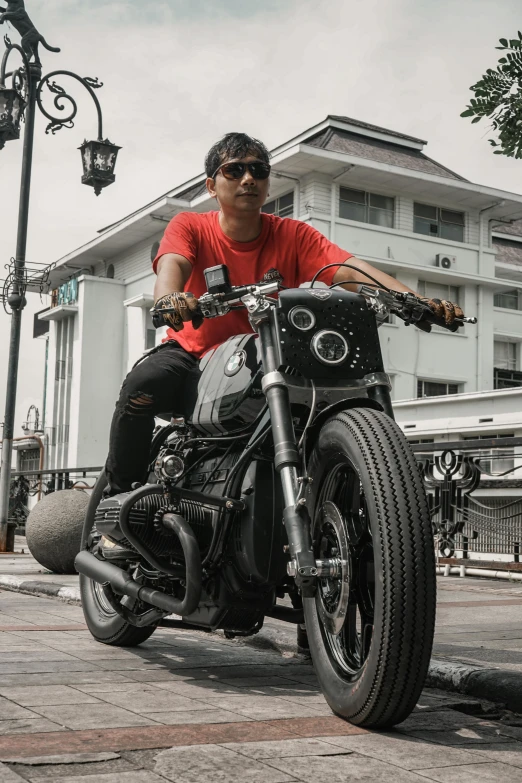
457 184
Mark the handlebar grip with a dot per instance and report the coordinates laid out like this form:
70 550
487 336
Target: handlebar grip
431 318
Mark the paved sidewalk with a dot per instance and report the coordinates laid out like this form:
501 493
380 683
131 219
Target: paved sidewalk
478 641
186 706
479 621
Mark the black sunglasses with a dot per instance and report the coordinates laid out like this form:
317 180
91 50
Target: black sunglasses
236 170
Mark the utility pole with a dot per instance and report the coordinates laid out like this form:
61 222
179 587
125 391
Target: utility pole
99 160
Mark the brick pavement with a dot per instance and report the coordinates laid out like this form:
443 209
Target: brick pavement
188 706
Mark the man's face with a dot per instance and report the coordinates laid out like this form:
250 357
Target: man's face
243 195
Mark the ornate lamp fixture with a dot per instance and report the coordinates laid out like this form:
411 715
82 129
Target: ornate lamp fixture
99 160
12 99
98 157
12 105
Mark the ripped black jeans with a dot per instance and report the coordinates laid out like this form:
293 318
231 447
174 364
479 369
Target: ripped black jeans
164 382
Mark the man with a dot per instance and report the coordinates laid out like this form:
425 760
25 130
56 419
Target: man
252 244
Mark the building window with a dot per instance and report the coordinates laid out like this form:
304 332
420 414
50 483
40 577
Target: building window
436 388
495 461
504 355
506 379
505 373
29 459
507 299
439 291
438 222
367 207
282 206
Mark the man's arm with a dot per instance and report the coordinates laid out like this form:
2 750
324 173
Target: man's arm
172 271
346 275
441 308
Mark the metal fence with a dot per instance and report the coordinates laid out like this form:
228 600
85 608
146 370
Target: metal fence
463 522
28 486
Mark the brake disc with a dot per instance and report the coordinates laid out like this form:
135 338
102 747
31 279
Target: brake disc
332 591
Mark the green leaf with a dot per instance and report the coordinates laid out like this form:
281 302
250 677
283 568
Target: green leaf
502 60
477 119
468 113
503 41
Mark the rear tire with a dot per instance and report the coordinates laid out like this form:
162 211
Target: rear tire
105 625
370 626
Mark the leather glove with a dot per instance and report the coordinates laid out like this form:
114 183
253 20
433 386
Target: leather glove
446 311
185 308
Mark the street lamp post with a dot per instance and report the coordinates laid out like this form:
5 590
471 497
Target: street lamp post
98 160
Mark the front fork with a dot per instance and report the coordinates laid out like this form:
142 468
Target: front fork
286 460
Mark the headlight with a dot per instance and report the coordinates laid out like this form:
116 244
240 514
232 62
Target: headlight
169 467
302 318
329 347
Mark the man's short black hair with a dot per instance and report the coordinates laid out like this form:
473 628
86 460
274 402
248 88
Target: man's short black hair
234 145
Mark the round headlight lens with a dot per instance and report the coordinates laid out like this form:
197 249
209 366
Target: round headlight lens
169 467
302 318
330 347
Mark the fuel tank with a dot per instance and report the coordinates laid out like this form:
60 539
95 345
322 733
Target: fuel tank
229 390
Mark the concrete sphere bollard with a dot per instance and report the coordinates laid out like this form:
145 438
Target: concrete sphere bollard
54 529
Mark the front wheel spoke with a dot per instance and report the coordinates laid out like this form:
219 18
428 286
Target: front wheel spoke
366 579
350 630
355 522
366 636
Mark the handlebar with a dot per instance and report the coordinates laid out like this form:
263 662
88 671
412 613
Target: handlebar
405 305
409 308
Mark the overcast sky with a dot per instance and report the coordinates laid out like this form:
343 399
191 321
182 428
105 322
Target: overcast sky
179 73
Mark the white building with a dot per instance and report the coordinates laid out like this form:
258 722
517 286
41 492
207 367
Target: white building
375 193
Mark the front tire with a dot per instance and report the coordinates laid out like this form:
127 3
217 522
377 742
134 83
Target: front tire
105 625
371 625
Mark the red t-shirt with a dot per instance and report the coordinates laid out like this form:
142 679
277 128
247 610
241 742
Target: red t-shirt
295 249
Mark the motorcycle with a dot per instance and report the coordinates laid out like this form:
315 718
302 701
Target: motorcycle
291 483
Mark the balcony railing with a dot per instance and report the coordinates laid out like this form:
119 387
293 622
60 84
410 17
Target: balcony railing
66 294
507 379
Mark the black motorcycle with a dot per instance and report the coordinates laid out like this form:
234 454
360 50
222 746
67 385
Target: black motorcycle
291 493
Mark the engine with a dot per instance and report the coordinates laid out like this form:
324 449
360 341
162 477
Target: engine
161 542
208 475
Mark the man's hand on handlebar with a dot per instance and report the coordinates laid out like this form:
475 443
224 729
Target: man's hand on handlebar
444 310
176 309
413 309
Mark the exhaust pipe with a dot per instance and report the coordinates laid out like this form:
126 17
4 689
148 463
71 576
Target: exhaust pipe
106 573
